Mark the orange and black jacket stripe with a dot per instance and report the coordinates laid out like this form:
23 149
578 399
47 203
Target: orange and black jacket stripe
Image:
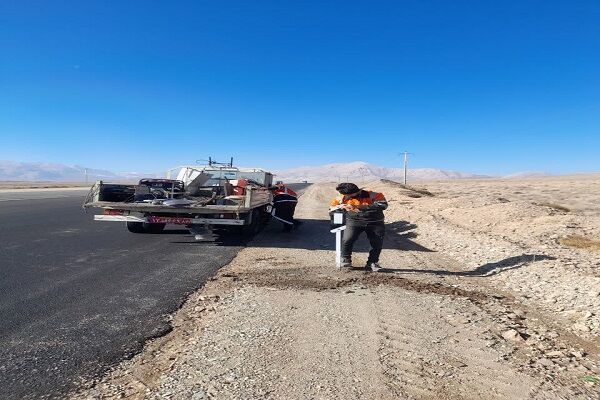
374 201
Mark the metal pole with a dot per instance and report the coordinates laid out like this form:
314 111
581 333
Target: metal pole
86 176
405 166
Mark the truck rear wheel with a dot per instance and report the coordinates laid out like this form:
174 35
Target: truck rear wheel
265 217
136 227
156 228
144 227
254 226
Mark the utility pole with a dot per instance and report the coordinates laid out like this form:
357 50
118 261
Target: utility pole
406 153
364 172
86 176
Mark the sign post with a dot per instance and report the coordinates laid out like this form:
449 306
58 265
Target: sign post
338 244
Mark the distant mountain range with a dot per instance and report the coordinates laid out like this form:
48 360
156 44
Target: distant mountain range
357 171
527 174
25 171
361 171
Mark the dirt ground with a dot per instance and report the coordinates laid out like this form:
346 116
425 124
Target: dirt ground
480 299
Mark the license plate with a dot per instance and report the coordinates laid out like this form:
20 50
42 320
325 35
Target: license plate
108 211
169 220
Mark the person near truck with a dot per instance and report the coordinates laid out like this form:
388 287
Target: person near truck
284 203
364 213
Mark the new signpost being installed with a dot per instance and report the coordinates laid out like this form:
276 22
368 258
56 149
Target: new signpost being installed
338 219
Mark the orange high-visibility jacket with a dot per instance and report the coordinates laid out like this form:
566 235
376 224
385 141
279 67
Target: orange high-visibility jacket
376 203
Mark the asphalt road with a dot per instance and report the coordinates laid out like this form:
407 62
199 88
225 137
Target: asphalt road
78 296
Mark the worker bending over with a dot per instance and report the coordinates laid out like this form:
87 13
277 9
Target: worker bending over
364 213
284 203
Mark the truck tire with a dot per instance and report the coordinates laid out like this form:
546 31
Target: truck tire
156 228
144 227
254 227
265 217
136 227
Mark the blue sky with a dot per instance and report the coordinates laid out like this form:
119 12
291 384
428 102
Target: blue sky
482 86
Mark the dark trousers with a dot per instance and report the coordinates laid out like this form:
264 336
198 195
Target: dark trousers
285 211
375 232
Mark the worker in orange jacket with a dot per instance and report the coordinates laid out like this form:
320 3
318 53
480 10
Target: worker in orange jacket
284 203
364 213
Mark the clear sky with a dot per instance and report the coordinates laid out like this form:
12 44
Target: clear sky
479 86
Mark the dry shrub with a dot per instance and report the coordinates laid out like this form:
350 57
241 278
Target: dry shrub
580 242
557 207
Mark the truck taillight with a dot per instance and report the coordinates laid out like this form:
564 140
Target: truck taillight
113 212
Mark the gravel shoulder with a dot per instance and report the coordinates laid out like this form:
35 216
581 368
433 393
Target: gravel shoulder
456 315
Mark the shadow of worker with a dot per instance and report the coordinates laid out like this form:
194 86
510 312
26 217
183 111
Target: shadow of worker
482 271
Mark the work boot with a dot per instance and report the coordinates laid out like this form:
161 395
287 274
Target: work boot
372 266
346 262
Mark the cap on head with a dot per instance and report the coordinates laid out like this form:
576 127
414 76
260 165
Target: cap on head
347 188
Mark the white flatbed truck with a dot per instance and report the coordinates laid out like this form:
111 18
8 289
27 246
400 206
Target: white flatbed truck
201 198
